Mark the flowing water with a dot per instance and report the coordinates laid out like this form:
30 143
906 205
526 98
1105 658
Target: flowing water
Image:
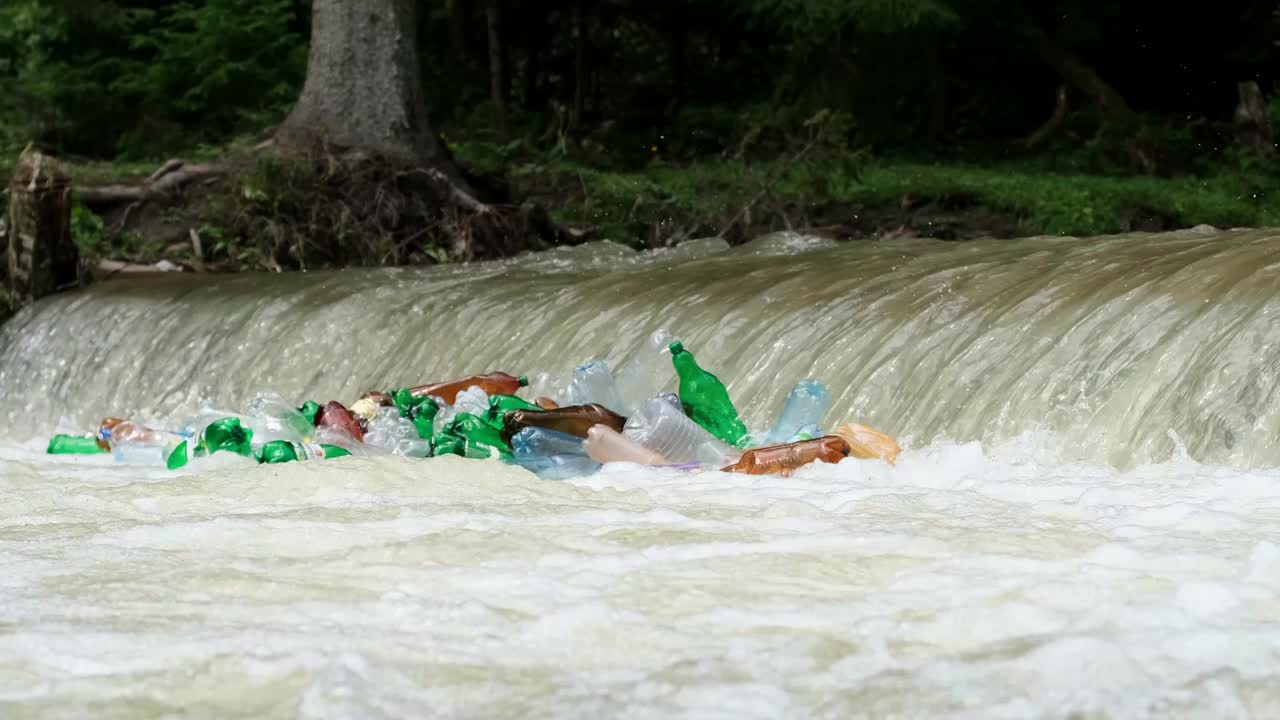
1083 522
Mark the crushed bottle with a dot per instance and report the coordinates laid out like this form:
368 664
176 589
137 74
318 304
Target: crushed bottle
785 459
226 434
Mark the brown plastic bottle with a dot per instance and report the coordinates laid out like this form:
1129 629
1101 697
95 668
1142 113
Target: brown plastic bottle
335 415
495 383
785 458
574 420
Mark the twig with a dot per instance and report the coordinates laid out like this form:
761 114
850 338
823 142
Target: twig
165 169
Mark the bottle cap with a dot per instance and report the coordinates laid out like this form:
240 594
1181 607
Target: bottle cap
676 347
523 380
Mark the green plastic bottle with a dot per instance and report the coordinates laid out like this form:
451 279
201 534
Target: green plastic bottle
421 411
482 439
500 405
282 451
705 399
74 445
225 434
451 444
309 409
448 444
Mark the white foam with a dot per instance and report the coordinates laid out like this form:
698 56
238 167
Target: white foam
967 582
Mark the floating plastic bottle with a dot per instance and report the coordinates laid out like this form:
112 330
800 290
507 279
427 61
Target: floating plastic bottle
421 411
536 441
706 400
452 444
477 433
282 451
337 417
671 399
605 445
574 420
473 401
63 444
592 383
273 418
557 467
808 432
113 432
807 404
129 453
226 434
785 459
500 405
395 434
666 430
309 410
646 372
867 443
494 383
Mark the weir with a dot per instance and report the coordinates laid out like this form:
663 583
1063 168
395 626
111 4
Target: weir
1119 346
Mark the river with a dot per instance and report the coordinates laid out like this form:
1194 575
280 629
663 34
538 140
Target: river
1082 523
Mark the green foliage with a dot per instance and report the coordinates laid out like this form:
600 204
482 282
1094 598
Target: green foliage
225 65
103 77
86 229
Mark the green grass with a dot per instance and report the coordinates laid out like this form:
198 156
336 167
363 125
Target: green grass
1079 204
703 196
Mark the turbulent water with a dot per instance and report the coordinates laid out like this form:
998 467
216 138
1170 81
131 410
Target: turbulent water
1084 520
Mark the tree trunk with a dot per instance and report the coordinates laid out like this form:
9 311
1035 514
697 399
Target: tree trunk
498 81
1253 129
1078 74
1112 104
42 258
364 87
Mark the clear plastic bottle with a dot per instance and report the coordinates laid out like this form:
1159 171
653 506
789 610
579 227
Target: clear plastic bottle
473 400
396 434
807 404
132 453
593 383
606 445
557 467
274 418
666 430
535 441
646 372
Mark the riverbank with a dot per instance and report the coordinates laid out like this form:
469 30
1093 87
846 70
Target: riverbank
236 223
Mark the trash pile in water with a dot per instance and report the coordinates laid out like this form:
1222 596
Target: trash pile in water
482 417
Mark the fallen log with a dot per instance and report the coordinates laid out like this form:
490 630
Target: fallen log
165 182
